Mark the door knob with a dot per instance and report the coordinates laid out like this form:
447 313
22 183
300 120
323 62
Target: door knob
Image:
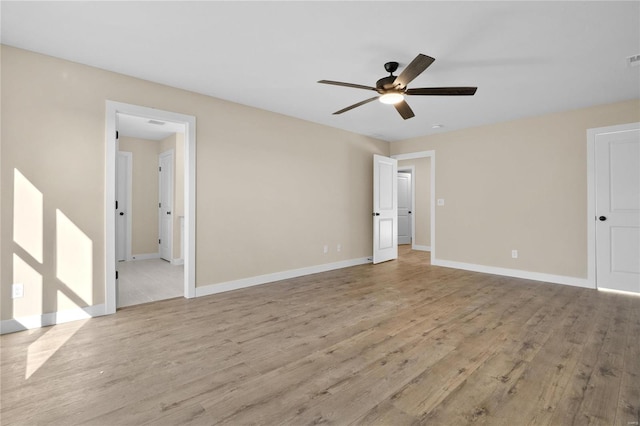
376 214
121 213
168 212
602 218
409 211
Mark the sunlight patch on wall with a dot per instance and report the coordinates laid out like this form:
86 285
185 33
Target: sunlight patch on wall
27 215
40 351
31 303
74 258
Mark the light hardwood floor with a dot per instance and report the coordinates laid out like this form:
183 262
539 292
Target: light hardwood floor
397 343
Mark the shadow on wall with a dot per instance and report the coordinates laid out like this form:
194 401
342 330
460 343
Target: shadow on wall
73 256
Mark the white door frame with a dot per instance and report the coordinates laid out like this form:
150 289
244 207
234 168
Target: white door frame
412 170
112 109
432 201
591 194
127 215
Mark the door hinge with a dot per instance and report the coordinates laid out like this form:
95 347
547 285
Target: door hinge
159 169
159 240
117 134
116 204
116 275
159 205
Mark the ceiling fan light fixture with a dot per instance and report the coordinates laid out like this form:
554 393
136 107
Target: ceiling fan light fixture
391 98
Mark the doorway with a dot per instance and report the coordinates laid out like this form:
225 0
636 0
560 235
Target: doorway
113 111
422 167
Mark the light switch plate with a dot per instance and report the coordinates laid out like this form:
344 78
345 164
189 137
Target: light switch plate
441 201
17 291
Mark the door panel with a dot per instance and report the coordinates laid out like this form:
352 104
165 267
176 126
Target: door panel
617 165
123 188
166 204
385 209
404 208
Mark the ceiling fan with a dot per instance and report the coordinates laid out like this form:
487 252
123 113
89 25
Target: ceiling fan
392 89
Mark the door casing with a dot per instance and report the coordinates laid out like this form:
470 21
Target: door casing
432 199
112 108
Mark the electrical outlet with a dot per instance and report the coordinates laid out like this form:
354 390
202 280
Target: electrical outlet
514 254
17 290
326 249
339 247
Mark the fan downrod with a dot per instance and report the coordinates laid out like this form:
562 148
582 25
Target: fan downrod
391 67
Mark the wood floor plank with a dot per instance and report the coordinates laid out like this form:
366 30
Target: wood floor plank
398 343
628 410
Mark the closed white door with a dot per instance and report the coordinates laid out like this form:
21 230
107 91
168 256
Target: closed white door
617 167
123 189
404 208
385 209
165 205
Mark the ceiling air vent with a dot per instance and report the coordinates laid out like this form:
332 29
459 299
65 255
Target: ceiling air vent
633 60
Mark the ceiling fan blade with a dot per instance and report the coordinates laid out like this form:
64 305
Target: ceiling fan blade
414 69
443 91
339 83
404 109
355 105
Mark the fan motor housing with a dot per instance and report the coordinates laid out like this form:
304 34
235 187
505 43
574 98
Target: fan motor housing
386 83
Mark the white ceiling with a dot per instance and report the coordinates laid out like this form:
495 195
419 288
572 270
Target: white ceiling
527 58
143 128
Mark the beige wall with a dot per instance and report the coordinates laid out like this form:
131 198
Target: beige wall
422 208
271 190
517 185
144 194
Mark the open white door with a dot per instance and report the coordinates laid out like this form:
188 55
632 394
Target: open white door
165 206
385 209
617 166
123 197
404 208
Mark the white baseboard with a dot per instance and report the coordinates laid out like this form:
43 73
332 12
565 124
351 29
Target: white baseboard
516 273
37 321
420 248
145 256
177 261
277 276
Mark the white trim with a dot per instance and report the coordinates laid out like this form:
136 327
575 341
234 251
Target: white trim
177 262
413 155
515 273
145 256
420 248
277 276
111 110
44 320
432 155
591 194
